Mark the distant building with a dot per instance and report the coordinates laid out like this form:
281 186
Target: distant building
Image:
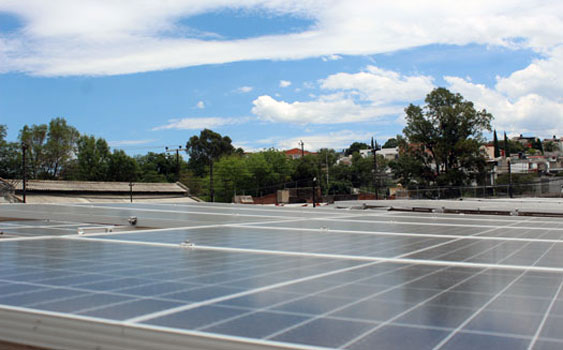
295 153
387 153
52 191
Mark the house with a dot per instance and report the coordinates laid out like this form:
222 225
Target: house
295 153
387 153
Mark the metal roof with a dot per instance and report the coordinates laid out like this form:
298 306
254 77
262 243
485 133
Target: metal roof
97 186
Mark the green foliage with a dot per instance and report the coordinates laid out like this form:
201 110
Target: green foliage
521 183
391 143
206 148
496 145
35 137
204 151
550 146
50 147
446 135
356 147
122 167
160 167
92 159
10 156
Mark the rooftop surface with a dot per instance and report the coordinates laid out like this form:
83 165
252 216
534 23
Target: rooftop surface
222 276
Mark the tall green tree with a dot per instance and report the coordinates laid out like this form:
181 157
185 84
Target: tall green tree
391 143
122 167
35 137
49 147
10 156
92 159
60 146
205 150
506 146
448 130
356 147
495 145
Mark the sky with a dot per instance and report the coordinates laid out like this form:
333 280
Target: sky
268 73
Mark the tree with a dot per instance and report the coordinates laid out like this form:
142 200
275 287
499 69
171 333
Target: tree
50 147
35 137
60 146
356 147
447 132
391 143
205 150
122 167
92 159
506 146
10 156
159 167
495 144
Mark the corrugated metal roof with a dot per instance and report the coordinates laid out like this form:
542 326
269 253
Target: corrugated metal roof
96 186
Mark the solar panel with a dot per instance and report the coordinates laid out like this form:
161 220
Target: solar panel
259 277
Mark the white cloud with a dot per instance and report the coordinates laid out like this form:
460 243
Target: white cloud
528 101
200 105
331 58
130 142
199 123
359 97
380 85
284 83
335 140
244 89
92 37
542 76
325 110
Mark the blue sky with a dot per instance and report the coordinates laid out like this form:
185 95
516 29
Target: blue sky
269 74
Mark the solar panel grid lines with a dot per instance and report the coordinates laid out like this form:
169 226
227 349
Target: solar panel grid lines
378 293
469 319
424 302
417 282
212 301
545 316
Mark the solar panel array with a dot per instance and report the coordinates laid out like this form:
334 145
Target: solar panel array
298 277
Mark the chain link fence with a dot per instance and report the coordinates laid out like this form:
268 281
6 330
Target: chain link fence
544 188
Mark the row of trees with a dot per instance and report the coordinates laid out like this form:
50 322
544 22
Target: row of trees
58 151
440 147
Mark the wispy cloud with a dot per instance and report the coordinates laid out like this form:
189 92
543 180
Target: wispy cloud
200 123
359 97
244 89
130 142
284 83
63 37
336 140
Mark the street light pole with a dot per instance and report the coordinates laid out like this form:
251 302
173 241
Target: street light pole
314 190
509 178
177 150
375 184
24 169
131 191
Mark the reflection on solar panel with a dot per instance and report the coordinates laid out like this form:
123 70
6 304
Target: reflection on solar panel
260 277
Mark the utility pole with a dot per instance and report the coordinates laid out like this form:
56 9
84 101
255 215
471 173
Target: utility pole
326 159
374 150
24 169
131 191
177 150
314 190
302 148
509 177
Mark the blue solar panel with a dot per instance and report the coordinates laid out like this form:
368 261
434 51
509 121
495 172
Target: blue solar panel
327 278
